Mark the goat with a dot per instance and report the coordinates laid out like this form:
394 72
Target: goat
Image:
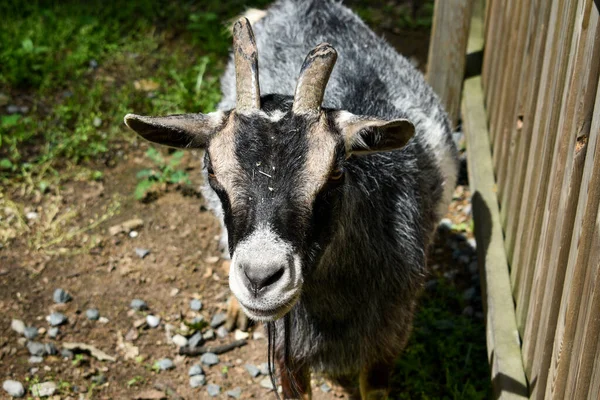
329 198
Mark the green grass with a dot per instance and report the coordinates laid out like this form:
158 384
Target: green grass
446 355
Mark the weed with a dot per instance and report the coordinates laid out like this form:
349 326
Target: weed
136 380
78 359
165 172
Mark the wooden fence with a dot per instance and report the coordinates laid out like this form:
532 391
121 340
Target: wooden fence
532 121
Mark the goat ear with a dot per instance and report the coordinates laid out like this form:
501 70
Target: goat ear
365 135
183 130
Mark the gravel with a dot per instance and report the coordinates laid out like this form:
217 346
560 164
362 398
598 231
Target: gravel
152 320
165 364
92 314
51 349
13 388
222 332
179 340
56 319
30 332
196 369
197 381
196 305
35 360
218 320
17 326
65 353
469 294
141 252
445 224
43 389
241 335
264 368
209 335
97 122
213 390
138 305
196 340
36 349
325 388
60 296
209 359
266 383
235 393
99 379
252 370
473 268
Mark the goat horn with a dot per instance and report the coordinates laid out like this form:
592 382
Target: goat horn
313 78
246 67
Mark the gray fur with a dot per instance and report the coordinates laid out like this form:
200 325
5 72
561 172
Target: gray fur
357 304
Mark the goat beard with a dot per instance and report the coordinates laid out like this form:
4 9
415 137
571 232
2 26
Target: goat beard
284 354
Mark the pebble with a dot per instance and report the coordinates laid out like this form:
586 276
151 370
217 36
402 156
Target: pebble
31 215
93 64
139 305
22 341
12 109
473 268
196 369
92 314
35 360
213 390
235 393
209 359
222 332
264 368
51 349
60 296
43 389
325 388
197 381
197 320
252 370
141 253
209 335
258 335
445 224
468 311
65 353
103 320
165 364
36 349
152 320
266 383
99 379
56 319
97 122
241 335
13 388
196 340
472 243
196 305
469 294
17 326
30 332
218 320
179 340
133 234
53 332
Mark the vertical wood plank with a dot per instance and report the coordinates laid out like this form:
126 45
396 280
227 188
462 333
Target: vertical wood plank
447 52
490 56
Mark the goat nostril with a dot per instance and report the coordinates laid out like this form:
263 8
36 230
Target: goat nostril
259 278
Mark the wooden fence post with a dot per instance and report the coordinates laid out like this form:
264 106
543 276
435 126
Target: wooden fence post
447 52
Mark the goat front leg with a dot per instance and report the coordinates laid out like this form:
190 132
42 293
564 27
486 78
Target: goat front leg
295 381
374 380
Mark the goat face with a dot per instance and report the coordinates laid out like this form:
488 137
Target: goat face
278 164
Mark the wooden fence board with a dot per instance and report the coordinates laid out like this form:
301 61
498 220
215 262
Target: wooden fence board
490 58
587 209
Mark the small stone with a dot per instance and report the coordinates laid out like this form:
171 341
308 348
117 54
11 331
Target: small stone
213 390
445 224
32 215
174 292
209 335
179 340
196 305
22 341
266 383
103 320
218 320
133 234
152 320
141 253
197 381
56 319
252 370
17 326
99 379
196 369
30 332
60 296
43 389
464 259
258 335
12 109
51 349
473 268
97 122
472 243
92 314
222 332
264 368
209 359
469 294
235 393
241 335
36 349
35 360
325 388
165 364
138 305
468 311
13 388
65 353
196 340
197 320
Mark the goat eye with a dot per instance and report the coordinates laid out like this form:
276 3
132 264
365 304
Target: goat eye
336 174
